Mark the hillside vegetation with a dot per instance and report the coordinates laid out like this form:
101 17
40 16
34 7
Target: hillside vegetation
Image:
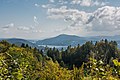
99 61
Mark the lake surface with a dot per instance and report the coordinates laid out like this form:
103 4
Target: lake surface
65 47
52 46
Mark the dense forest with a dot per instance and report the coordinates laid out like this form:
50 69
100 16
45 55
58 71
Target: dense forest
90 61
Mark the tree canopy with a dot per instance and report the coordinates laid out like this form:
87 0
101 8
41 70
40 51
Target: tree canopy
86 62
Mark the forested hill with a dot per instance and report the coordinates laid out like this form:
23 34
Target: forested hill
19 42
61 40
99 61
73 40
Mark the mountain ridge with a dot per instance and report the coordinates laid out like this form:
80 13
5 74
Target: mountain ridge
19 41
61 40
66 40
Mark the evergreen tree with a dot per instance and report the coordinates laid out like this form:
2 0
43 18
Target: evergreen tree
23 45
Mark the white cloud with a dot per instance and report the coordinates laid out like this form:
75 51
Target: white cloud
37 31
67 14
48 6
30 29
88 3
37 5
35 20
51 1
106 18
45 6
24 28
63 12
63 1
9 25
59 1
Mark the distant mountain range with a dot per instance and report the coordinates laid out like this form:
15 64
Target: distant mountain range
62 40
66 40
19 42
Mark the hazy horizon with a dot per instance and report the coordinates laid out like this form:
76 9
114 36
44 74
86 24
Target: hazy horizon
40 19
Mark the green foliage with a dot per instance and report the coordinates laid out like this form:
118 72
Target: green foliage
99 61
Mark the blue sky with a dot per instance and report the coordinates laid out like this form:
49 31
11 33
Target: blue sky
39 19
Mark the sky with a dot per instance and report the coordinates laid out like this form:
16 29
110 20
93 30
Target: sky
40 19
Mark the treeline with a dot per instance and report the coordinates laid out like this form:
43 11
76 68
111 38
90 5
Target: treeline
90 61
103 50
